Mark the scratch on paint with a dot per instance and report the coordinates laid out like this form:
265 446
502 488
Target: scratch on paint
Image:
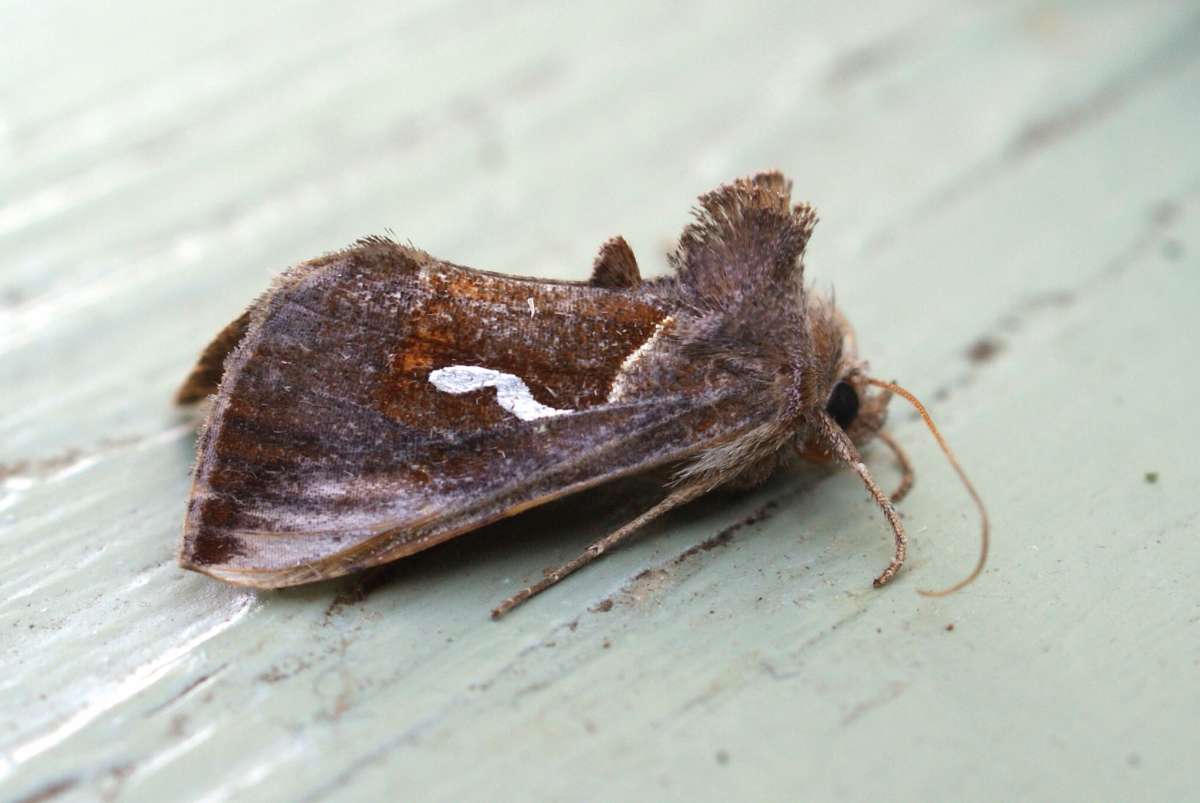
140 679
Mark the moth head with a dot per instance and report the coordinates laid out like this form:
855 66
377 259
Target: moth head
837 383
843 406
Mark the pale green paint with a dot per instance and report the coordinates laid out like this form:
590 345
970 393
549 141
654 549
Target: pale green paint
1023 172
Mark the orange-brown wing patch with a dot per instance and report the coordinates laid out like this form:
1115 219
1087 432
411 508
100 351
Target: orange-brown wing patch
565 342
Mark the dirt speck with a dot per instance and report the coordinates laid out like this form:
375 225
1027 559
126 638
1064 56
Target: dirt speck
722 757
645 585
50 791
725 536
1165 213
359 589
1151 477
603 606
276 673
1052 299
860 63
11 296
42 467
1172 250
950 627
984 349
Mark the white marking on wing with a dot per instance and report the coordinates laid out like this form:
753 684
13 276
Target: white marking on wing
618 389
511 391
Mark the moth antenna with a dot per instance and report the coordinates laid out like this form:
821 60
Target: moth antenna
907 475
845 450
962 475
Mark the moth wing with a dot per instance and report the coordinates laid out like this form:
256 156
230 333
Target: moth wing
380 402
205 377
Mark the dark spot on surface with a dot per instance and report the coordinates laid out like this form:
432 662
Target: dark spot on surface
1165 213
882 698
360 588
950 627
1069 119
11 297
725 536
649 582
1151 477
1052 298
984 349
722 757
41 468
859 63
292 666
50 791
572 625
117 776
645 585
273 675
606 644
1133 760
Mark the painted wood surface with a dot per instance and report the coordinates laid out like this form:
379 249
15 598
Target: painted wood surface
1010 196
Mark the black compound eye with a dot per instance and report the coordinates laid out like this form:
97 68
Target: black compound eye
843 404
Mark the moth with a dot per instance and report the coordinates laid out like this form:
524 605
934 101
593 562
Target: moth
377 401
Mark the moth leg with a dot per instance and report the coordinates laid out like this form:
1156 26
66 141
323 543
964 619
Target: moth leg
906 467
553 576
843 448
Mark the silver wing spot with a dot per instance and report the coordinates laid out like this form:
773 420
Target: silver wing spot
512 393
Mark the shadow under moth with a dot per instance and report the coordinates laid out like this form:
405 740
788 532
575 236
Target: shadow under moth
377 401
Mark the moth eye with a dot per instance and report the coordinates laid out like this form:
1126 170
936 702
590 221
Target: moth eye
843 404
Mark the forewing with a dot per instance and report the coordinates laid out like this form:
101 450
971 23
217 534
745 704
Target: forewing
345 432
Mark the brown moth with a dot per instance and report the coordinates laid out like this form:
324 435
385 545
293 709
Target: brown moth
377 401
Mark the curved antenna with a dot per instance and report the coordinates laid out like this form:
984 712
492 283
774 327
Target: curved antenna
983 516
